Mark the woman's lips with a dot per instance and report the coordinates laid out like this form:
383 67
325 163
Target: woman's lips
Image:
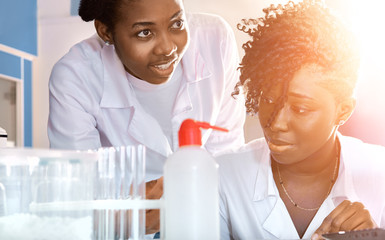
164 66
279 146
164 69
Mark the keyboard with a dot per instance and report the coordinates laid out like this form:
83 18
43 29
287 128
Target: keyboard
367 234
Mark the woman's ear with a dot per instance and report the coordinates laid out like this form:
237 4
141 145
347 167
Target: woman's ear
103 32
345 110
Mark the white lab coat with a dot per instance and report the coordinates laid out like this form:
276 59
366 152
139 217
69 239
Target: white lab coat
92 104
250 205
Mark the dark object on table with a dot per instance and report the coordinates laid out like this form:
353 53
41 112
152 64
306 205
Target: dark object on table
367 234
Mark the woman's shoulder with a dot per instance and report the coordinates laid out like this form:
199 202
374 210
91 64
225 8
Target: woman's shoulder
356 149
83 57
82 65
363 157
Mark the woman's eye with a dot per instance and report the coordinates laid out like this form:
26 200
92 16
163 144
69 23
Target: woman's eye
144 33
300 110
179 24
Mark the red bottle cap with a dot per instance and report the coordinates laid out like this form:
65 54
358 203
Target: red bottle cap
190 132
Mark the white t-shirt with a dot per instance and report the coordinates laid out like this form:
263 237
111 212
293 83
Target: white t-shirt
158 99
250 205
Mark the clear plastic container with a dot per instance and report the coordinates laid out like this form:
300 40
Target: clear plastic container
52 194
35 188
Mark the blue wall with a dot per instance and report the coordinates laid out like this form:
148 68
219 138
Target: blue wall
18 29
18 24
74 7
10 65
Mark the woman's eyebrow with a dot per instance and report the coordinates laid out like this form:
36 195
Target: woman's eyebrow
299 95
141 24
178 13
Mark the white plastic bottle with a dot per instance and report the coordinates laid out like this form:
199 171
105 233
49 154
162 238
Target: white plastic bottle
191 188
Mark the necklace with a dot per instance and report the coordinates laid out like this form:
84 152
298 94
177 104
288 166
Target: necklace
330 187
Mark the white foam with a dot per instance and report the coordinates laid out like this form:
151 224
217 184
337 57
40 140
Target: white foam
32 227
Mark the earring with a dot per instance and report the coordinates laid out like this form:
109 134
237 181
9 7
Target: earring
107 43
341 122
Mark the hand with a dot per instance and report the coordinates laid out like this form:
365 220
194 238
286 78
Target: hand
347 216
154 190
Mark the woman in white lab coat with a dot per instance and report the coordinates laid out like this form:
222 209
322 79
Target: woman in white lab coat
303 179
149 67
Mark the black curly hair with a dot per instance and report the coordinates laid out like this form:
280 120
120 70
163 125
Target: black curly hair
289 37
106 11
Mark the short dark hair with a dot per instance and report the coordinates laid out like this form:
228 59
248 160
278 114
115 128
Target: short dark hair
289 37
106 11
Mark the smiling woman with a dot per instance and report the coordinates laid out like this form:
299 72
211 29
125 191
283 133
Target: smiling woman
150 66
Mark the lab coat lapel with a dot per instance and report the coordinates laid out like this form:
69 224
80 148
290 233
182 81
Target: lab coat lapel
277 219
279 222
344 187
342 190
195 69
118 93
325 209
150 135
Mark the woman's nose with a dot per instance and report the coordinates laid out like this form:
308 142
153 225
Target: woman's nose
165 46
280 121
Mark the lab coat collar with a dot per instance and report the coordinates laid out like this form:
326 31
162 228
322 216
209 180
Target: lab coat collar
151 135
343 189
344 186
264 184
266 190
194 67
117 92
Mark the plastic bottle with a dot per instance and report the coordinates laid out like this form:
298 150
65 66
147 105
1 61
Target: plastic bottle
191 188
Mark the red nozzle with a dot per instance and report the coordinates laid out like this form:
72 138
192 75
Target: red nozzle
190 133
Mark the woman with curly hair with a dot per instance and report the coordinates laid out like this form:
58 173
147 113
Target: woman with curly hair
304 178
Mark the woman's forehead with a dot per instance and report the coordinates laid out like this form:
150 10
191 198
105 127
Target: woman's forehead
145 10
305 82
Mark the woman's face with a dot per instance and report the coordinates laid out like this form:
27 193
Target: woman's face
306 122
151 37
